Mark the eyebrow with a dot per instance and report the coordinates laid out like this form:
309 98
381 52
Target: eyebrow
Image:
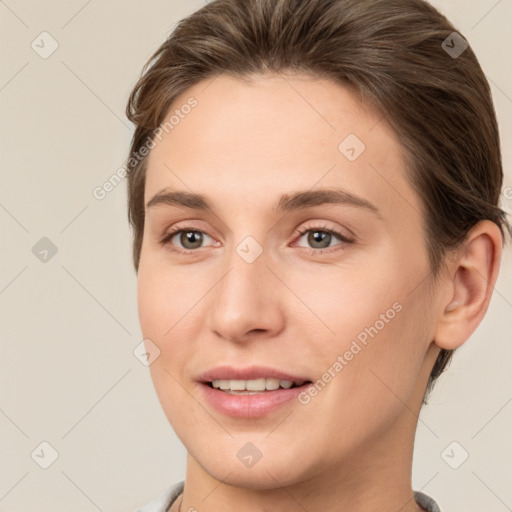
286 203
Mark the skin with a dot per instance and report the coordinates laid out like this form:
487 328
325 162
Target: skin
244 145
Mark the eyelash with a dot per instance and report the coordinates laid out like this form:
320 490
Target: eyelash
165 240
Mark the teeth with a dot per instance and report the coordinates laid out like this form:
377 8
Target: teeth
252 385
236 385
272 384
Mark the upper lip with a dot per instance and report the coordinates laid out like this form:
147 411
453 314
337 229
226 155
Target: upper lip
249 373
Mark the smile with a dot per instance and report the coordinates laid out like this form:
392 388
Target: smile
253 386
249 392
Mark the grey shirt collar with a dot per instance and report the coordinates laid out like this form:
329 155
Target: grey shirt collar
163 502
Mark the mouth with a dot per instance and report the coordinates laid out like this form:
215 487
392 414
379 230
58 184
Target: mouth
251 392
254 386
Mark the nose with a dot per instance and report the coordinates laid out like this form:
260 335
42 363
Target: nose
247 303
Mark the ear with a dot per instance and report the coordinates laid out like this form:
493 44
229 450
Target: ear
473 273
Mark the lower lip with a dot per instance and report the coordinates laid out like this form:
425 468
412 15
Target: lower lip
250 406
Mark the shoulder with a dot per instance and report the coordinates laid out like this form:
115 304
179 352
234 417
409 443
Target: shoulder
163 501
426 502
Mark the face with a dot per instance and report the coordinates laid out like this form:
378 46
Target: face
266 286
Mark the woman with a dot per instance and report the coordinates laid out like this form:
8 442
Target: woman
313 188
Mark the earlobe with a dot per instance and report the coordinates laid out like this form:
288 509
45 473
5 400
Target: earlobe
474 274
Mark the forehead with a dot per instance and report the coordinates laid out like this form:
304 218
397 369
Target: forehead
278 132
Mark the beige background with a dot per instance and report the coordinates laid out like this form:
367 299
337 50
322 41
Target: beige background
69 326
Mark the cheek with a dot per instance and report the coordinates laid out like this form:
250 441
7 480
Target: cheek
164 296
382 376
150 300
166 317
163 318
171 308
374 334
346 304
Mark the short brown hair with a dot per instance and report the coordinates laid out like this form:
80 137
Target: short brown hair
389 51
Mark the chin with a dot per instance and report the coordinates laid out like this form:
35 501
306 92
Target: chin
259 477
277 466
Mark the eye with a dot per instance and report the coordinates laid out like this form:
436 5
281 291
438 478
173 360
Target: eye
321 237
190 239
